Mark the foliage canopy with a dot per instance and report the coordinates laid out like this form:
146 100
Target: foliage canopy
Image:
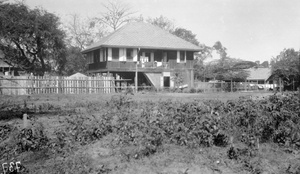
31 39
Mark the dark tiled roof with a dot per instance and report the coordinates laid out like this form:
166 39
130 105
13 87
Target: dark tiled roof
143 35
259 73
2 63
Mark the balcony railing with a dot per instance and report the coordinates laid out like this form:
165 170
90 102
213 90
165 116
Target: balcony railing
172 64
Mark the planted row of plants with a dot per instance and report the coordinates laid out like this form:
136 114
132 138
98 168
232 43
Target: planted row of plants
149 125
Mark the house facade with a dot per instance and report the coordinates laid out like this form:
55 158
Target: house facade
147 51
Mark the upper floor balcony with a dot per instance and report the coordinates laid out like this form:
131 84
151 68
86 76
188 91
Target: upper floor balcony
141 66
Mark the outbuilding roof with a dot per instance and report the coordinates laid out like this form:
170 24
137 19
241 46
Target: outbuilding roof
143 35
259 73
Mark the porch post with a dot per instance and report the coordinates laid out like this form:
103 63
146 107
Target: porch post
101 55
121 54
109 54
152 57
136 77
192 78
178 56
135 55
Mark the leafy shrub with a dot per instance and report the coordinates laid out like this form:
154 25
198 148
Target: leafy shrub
275 118
193 90
30 140
186 90
199 90
5 130
85 129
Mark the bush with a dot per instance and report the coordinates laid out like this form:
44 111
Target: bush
200 90
186 90
193 90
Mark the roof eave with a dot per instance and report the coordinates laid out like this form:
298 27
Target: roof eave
141 47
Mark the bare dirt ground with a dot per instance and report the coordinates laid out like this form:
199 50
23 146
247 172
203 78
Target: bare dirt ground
170 159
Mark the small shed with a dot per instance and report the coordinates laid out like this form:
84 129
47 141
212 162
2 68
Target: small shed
77 76
259 77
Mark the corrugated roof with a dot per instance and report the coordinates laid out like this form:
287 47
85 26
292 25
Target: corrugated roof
259 73
143 35
3 64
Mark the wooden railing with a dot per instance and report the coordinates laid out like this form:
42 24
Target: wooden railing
171 64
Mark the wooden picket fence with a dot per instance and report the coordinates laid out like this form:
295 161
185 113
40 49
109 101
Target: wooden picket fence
232 86
24 85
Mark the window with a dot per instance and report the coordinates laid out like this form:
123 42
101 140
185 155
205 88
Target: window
96 56
115 54
261 82
105 54
147 57
129 54
158 56
182 56
165 57
189 55
90 58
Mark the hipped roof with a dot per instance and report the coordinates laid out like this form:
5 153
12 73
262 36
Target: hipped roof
2 63
143 35
259 73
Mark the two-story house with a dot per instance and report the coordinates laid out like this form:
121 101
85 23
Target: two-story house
146 50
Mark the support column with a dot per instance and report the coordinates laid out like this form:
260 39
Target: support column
136 77
152 57
178 57
135 55
231 90
101 55
121 54
192 78
109 54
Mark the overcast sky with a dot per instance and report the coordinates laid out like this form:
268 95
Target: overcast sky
249 29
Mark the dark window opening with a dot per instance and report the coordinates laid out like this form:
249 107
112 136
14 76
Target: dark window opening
182 59
147 57
166 81
158 56
261 82
172 55
129 54
115 54
96 56
189 55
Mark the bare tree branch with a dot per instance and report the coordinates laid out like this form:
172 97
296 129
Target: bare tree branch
117 13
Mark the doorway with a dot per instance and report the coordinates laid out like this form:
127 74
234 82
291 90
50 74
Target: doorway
167 82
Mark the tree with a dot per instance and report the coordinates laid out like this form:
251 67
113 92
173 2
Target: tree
265 64
178 78
220 50
230 69
186 35
169 26
116 14
82 32
31 39
76 62
225 68
162 22
285 67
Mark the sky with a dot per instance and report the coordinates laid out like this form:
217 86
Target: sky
249 29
